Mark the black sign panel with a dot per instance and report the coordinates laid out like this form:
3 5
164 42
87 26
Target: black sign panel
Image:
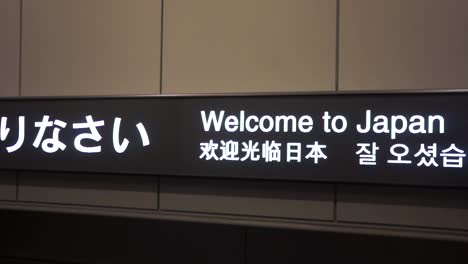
394 138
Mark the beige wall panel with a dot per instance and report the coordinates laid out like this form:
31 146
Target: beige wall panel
127 191
8 186
217 46
403 44
91 47
9 47
262 198
440 208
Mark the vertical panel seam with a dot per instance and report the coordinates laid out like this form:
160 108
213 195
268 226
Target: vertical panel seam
161 49
20 46
337 46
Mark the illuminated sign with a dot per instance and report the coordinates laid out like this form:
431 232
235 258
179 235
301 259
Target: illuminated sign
391 138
